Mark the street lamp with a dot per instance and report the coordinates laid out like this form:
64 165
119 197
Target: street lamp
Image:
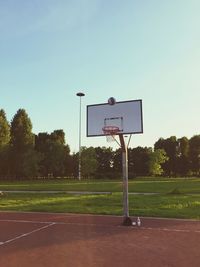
79 158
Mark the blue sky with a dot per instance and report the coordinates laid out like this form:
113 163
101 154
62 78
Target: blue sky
149 50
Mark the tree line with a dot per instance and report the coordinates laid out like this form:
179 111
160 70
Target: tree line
25 155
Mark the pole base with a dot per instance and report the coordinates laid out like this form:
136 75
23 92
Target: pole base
127 221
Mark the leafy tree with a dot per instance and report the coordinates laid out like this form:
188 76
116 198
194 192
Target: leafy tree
5 162
194 154
105 162
72 165
30 163
21 131
22 143
156 159
183 156
58 136
4 145
40 141
183 146
4 129
55 158
55 155
88 161
170 145
42 146
139 161
117 161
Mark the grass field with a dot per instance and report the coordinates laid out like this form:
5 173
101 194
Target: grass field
142 185
177 198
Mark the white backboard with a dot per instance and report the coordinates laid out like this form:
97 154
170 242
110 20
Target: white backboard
126 115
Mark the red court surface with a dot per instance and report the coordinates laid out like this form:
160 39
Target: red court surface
44 239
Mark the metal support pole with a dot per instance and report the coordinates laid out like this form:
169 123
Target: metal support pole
125 183
79 154
127 220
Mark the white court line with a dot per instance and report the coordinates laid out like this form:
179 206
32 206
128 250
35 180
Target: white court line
171 230
62 223
102 225
27 221
97 215
25 234
83 224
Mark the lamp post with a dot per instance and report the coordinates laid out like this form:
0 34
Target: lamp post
79 158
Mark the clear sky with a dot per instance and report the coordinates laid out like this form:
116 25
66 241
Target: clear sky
132 49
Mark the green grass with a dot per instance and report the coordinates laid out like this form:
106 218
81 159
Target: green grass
169 206
184 185
172 206
158 185
177 198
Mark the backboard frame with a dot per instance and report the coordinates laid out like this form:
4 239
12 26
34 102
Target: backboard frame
135 103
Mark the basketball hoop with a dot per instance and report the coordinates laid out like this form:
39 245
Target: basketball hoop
110 132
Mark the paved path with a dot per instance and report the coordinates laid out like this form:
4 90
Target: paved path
73 192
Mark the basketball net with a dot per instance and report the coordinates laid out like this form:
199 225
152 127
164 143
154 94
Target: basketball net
110 138
110 133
